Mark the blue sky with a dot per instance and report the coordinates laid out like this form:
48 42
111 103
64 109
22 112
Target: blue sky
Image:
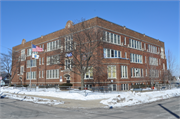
30 20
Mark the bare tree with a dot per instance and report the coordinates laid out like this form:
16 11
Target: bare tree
171 66
82 50
10 63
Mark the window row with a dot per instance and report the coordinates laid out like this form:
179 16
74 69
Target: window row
31 63
54 45
152 49
31 75
109 53
69 43
136 72
135 44
52 74
154 73
112 38
135 58
54 59
153 61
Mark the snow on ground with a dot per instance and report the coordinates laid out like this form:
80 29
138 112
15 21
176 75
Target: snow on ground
115 99
32 99
132 98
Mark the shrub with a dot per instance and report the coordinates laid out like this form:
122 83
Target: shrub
66 84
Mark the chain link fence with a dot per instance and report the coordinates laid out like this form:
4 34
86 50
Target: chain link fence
99 89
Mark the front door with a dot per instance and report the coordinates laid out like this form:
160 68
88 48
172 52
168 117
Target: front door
112 87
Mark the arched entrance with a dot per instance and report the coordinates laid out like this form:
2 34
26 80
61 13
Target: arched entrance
67 76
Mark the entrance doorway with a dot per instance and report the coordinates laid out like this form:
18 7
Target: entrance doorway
112 87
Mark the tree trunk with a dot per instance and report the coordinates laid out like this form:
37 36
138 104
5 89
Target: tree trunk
82 82
10 82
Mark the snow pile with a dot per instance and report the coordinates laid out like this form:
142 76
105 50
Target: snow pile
72 94
116 99
33 99
132 98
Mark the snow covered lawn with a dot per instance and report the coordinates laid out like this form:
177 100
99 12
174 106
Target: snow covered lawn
132 98
115 99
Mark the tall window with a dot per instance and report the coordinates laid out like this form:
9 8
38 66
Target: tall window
68 63
23 56
89 73
124 73
39 74
22 70
111 71
163 66
144 46
69 43
124 40
31 75
162 53
131 72
54 59
54 45
42 74
52 74
137 72
39 61
29 52
31 63
42 60
125 54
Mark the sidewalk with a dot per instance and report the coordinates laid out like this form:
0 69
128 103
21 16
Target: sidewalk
70 103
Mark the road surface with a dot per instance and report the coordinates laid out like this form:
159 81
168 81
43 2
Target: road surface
164 109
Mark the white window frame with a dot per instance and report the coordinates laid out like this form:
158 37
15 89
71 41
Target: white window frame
124 71
23 55
50 74
124 40
39 61
42 74
42 60
111 72
34 64
39 74
32 76
22 69
29 52
89 73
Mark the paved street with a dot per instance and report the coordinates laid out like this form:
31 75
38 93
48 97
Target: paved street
14 109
